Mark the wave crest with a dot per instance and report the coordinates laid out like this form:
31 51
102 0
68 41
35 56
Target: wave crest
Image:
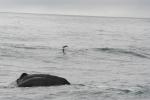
122 51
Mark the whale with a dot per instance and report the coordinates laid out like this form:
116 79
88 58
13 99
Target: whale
34 80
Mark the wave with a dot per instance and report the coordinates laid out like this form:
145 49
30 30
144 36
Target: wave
122 51
23 46
31 47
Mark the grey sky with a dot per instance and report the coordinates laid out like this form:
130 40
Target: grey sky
123 8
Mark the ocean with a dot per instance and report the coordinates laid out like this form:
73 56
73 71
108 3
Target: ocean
107 58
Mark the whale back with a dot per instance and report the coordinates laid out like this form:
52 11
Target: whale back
28 80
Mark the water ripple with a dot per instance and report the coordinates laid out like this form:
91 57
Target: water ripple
121 51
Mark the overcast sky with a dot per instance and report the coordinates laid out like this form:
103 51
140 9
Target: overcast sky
117 8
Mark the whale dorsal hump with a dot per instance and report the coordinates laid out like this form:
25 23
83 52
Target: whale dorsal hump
23 75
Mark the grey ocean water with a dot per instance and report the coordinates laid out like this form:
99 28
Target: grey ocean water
107 58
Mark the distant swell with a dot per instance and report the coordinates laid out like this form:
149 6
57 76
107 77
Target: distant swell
121 51
30 47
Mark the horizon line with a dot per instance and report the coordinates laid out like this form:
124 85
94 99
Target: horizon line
75 15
